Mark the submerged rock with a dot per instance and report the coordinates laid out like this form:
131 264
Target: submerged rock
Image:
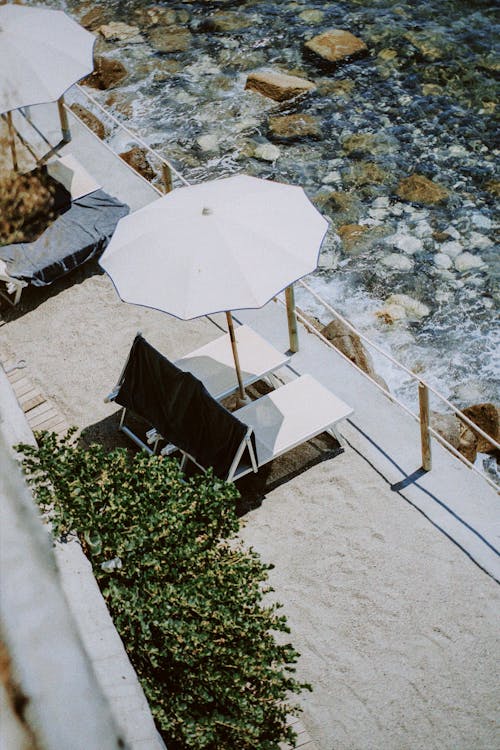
294 127
170 38
266 152
278 86
405 242
419 189
466 262
108 73
413 308
336 45
398 262
227 20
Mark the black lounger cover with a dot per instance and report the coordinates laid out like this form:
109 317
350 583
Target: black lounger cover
178 405
77 235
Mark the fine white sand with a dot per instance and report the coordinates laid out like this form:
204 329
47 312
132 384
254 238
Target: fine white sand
397 628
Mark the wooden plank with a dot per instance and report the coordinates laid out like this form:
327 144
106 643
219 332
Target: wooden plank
22 386
28 402
16 374
38 410
50 423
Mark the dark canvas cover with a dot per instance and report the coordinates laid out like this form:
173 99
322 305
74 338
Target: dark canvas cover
80 233
178 405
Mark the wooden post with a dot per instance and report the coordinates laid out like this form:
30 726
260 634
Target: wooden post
234 347
12 140
63 117
293 334
425 436
167 178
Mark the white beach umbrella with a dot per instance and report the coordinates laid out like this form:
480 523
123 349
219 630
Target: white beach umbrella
223 245
42 53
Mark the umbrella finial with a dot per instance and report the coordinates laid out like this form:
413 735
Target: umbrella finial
206 211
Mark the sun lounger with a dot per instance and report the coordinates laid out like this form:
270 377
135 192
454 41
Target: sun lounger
233 444
78 234
213 364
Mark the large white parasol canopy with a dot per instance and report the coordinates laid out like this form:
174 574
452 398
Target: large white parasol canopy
228 244
42 53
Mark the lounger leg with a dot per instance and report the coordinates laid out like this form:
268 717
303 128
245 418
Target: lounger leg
338 437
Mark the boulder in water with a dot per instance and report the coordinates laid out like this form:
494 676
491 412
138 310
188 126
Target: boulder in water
336 46
419 189
137 158
107 73
90 120
117 31
276 85
349 343
170 38
294 127
487 417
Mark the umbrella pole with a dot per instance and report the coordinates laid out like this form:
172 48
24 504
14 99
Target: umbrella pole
234 347
293 334
12 140
63 117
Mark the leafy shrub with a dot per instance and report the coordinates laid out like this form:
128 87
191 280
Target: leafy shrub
184 594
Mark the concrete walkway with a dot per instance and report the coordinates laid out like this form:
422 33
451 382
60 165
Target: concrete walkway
454 498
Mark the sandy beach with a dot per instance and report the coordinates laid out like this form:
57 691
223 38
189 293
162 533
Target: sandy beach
397 628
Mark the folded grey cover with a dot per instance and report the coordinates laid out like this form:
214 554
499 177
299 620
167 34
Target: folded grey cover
80 233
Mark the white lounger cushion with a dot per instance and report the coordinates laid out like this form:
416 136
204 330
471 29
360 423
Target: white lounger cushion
69 172
291 415
213 363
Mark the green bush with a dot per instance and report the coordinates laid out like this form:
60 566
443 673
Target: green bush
185 595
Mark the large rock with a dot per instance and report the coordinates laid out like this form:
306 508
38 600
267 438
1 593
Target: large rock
94 18
349 343
448 427
90 120
276 85
487 417
294 127
170 39
117 31
419 189
336 45
226 21
136 157
107 73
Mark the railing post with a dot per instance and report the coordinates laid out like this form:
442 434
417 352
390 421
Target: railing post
293 334
12 140
63 117
425 436
167 178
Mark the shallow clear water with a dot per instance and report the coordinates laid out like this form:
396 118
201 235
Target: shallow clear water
425 99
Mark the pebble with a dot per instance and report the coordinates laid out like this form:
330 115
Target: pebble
479 241
398 262
442 261
405 242
467 261
451 249
422 229
481 221
331 178
452 232
266 152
